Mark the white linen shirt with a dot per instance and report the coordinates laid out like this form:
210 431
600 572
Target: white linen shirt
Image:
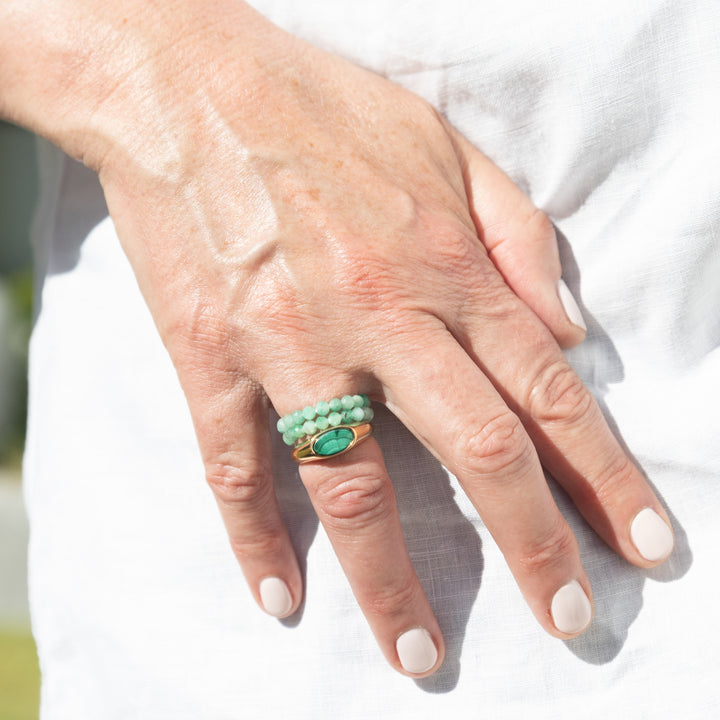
606 114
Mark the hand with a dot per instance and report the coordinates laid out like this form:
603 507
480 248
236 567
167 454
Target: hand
302 229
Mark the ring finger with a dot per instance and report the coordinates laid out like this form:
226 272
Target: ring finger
355 502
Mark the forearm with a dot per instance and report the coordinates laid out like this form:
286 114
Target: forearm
97 77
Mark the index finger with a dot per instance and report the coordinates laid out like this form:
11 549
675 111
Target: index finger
569 431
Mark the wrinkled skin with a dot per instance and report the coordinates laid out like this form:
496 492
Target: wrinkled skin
302 228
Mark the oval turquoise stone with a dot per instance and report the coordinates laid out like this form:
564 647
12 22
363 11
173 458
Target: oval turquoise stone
333 441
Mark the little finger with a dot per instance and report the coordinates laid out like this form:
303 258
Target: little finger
235 442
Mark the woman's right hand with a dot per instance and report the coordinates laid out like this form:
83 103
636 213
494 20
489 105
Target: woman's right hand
303 229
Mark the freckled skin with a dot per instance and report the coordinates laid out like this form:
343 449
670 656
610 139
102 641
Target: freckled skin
302 228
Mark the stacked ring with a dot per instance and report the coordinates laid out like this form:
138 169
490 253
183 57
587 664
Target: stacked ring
328 428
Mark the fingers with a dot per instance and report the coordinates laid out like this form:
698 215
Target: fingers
522 244
569 431
566 425
355 502
235 442
579 449
484 444
354 499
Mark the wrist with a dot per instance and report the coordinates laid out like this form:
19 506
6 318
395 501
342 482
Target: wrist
106 80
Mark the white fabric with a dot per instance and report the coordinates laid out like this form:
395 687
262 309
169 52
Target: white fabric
606 114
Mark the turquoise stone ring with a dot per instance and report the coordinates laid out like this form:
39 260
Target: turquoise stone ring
328 428
332 442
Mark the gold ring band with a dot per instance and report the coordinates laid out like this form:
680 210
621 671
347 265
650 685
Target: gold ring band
331 442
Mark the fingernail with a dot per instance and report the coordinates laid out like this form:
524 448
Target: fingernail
571 307
416 650
275 596
651 535
570 608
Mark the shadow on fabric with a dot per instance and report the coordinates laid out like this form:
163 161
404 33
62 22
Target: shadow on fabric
444 547
598 364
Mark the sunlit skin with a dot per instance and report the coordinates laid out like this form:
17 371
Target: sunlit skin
302 228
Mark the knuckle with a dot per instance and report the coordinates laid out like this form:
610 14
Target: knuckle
459 257
277 306
456 253
198 324
538 226
389 601
520 219
238 486
552 549
354 501
245 491
495 447
257 545
558 395
371 283
614 481
198 337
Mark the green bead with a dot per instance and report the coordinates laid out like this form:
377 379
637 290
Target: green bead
335 405
357 414
309 428
281 425
358 400
347 402
298 432
298 418
288 438
322 408
366 401
347 417
308 412
333 442
289 422
369 414
322 423
334 418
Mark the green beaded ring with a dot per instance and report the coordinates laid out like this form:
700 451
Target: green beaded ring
326 428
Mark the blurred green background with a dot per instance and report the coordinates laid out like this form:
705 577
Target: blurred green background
19 676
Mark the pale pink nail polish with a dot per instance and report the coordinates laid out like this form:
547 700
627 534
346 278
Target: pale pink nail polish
651 535
416 651
570 608
275 596
571 307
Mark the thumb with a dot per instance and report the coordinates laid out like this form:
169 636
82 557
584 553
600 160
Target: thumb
521 242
